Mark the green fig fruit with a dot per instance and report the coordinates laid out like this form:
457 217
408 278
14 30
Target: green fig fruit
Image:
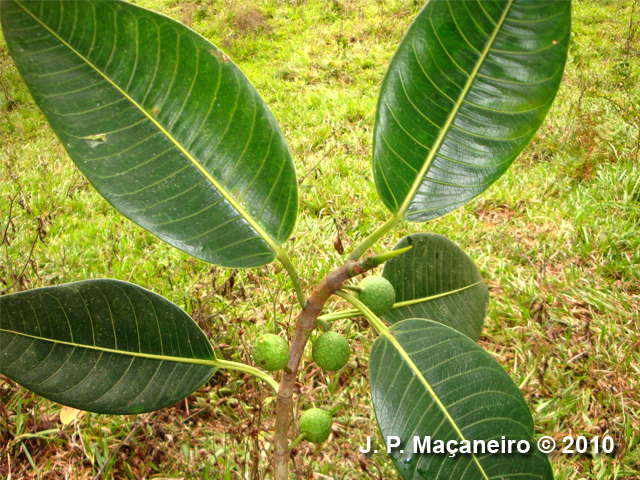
271 352
315 425
331 351
377 294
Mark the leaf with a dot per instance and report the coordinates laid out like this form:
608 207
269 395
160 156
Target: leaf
68 414
467 89
103 346
162 123
437 280
430 380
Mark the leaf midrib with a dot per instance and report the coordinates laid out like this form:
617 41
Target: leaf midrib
197 361
355 312
387 333
405 356
445 128
407 303
259 230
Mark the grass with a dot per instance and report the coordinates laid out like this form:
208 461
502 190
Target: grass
557 239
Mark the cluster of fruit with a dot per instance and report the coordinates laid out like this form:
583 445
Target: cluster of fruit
331 352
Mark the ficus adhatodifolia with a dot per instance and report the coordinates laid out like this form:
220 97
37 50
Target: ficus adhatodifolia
177 139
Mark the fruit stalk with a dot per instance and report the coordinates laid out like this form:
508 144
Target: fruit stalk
298 439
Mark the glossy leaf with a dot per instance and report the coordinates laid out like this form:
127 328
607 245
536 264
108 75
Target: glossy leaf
161 122
468 87
437 280
103 346
430 380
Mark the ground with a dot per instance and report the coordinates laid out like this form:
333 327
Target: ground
557 239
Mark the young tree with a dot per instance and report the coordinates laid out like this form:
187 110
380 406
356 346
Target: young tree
174 136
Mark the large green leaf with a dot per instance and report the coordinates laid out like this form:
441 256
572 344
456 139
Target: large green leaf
161 122
102 345
430 380
467 89
437 280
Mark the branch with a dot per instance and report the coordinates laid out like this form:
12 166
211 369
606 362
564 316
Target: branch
305 324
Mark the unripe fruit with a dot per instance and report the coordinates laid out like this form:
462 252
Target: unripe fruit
377 294
315 425
271 352
331 351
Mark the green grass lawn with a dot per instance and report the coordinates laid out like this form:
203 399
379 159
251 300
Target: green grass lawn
557 239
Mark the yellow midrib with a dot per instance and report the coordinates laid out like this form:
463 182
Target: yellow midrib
433 297
259 230
406 303
386 332
197 361
445 128
389 336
